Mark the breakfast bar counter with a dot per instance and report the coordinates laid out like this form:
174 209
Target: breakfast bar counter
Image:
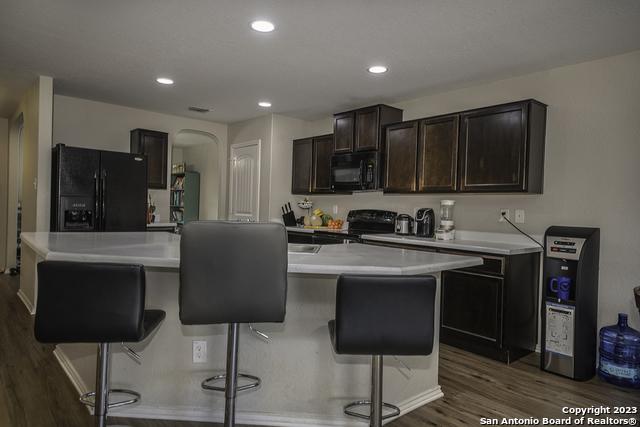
304 383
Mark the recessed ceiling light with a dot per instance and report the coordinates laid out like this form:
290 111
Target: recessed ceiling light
164 81
264 104
377 69
263 26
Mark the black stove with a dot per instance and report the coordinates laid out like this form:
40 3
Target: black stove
359 222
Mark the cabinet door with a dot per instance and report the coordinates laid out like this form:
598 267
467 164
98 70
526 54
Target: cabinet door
302 166
155 146
401 149
493 149
472 305
322 152
367 129
438 154
343 131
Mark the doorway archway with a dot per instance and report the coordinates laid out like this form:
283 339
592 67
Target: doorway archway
201 152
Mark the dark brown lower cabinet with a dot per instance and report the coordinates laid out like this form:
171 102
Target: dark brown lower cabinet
490 309
473 305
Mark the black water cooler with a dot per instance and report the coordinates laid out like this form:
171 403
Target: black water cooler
570 301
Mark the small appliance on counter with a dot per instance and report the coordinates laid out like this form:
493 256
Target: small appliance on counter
404 224
446 230
570 301
425 223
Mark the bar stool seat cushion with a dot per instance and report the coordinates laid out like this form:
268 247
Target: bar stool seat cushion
384 315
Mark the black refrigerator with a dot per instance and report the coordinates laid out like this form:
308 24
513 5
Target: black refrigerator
94 190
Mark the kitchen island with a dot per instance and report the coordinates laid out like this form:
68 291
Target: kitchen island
303 382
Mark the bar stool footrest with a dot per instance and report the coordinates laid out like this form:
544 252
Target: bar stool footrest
256 381
348 410
89 398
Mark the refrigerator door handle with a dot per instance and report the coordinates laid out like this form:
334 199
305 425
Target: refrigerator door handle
103 210
96 195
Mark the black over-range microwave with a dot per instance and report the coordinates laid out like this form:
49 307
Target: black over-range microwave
355 172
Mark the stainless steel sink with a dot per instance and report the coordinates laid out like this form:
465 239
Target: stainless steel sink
303 249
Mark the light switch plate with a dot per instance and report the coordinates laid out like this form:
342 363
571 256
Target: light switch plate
520 216
199 351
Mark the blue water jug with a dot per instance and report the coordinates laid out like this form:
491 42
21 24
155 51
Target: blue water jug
620 354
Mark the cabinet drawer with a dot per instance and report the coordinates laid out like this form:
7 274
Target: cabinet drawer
491 264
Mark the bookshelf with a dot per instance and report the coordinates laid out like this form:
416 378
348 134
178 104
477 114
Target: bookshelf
184 201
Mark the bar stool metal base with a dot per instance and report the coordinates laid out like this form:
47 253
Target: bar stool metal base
256 381
348 409
89 398
376 417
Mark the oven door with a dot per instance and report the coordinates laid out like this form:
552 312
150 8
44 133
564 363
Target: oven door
346 173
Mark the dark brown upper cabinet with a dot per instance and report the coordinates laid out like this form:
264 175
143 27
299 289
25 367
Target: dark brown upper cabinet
400 154
302 166
321 175
502 148
438 154
361 129
343 132
155 146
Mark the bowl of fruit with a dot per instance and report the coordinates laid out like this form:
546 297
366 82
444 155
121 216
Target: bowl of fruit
335 224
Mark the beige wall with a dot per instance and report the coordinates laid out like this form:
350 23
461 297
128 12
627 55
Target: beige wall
35 110
4 189
591 166
91 124
285 129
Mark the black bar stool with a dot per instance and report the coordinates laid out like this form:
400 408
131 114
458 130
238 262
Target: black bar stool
382 315
94 303
232 273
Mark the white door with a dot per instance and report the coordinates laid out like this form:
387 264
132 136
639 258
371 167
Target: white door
244 182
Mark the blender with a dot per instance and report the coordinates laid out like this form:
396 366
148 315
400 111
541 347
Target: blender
446 230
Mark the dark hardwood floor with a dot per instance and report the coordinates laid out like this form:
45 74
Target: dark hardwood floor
35 392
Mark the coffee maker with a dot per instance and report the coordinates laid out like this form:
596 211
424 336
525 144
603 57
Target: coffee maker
425 222
570 301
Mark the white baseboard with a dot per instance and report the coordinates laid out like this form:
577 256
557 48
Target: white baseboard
26 302
267 419
251 418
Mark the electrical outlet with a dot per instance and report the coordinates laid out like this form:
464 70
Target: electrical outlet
199 351
504 213
335 209
520 216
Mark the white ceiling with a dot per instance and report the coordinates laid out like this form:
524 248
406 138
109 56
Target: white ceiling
312 65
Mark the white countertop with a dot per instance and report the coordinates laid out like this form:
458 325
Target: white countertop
161 224
483 246
163 250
